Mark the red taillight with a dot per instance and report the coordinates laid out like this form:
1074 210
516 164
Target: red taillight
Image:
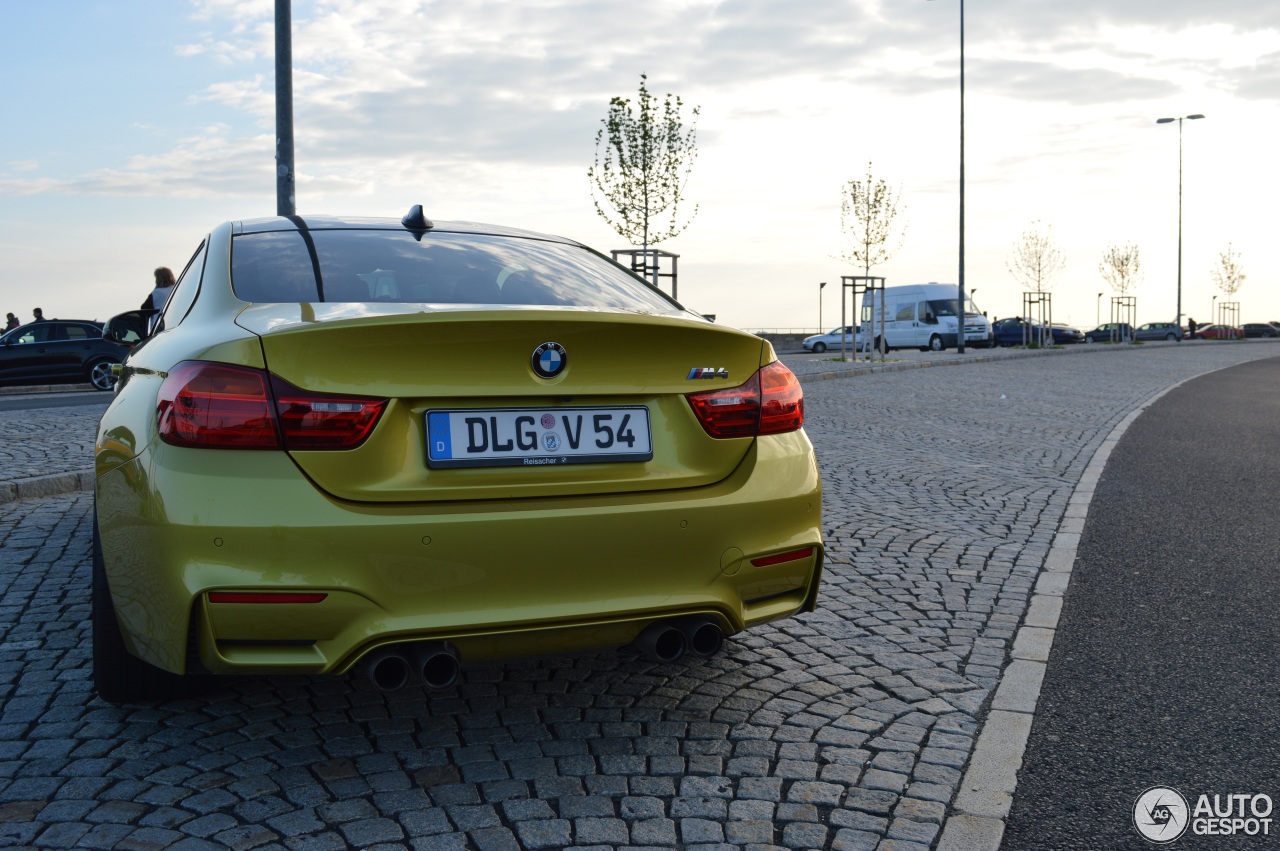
770 402
218 406
323 421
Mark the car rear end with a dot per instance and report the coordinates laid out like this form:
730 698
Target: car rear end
373 440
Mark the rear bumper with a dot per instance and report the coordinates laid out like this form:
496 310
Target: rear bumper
497 579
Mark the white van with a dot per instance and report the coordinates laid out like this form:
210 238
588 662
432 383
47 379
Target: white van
921 316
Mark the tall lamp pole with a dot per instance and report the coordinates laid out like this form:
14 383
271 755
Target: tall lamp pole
1168 121
285 199
1097 314
960 297
820 325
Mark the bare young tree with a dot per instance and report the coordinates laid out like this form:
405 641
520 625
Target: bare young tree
1228 273
641 166
1121 267
1036 259
867 215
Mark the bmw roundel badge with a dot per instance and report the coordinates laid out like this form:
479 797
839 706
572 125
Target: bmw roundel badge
549 360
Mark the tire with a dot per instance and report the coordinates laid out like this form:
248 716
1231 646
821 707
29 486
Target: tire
819 348
100 374
1171 337
119 677
935 344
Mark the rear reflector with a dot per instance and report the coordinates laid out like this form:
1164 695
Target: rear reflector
770 402
220 406
260 597
794 555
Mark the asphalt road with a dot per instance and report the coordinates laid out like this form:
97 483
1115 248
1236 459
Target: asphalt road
1164 668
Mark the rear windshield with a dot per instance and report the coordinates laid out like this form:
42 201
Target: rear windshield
441 268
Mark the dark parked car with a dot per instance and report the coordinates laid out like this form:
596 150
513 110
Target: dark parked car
1016 331
1259 329
58 351
1159 331
1063 334
1110 332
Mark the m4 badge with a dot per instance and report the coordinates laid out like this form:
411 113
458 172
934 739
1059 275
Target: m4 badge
708 372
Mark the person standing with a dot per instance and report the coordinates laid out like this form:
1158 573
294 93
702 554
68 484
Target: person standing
164 286
11 322
39 315
1191 327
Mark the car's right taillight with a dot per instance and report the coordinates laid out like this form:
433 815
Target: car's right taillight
220 406
770 402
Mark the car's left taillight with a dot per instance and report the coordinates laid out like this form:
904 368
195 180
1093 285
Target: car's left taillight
770 402
221 406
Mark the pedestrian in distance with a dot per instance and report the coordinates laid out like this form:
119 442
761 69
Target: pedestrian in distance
1191 328
11 322
164 285
39 315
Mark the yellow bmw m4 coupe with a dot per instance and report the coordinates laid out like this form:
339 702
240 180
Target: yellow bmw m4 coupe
398 447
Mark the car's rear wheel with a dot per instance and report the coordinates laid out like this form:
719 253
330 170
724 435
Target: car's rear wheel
118 676
100 375
1171 337
819 348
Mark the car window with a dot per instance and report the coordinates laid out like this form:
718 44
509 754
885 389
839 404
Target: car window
435 268
37 332
184 292
81 332
906 313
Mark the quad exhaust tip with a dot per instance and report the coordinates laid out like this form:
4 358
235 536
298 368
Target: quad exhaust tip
434 664
668 641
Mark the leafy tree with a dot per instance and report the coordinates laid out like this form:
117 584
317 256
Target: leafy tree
867 214
1121 267
641 166
1036 258
1228 273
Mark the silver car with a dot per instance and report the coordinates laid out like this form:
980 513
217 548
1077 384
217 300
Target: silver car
1158 331
819 343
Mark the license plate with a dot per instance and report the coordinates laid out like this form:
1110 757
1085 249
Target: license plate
529 437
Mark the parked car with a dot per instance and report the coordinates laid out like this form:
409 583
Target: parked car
397 447
59 351
1109 332
1066 334
1159 331
1259 329
1015 331
1219 332
819 343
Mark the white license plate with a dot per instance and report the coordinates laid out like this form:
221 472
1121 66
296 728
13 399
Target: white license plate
530 437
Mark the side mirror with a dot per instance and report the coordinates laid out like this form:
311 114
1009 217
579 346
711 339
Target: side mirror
129 328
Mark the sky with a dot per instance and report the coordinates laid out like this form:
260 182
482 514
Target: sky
133 127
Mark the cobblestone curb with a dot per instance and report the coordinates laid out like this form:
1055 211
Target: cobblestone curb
50 485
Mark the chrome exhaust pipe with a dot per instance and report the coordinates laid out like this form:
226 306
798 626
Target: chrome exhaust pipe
437 663
662 642
387 669
704 636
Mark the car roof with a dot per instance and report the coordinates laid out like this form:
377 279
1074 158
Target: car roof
324 222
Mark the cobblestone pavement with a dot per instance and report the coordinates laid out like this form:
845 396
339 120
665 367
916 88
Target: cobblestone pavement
846 728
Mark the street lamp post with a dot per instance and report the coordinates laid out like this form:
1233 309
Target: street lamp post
1097 314
820 325
1179 119
960 299
1213 304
